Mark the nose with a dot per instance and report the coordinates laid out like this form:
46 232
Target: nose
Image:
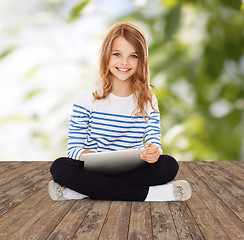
123 61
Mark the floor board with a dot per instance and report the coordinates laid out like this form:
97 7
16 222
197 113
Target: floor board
215 210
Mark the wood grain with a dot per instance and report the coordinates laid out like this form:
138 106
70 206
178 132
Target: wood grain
140 221
230 223
117 222
92 224
215 210
162 222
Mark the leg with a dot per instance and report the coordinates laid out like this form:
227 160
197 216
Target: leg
66 172
151 174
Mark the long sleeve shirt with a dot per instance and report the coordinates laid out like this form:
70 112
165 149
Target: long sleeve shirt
110 124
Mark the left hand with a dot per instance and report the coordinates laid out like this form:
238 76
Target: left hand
151 155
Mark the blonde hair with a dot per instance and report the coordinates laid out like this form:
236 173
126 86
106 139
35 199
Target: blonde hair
142 88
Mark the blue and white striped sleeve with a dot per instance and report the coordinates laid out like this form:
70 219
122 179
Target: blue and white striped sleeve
153 132
78 128
153 129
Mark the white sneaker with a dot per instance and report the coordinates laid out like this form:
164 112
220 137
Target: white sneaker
181 190
56 191
59 193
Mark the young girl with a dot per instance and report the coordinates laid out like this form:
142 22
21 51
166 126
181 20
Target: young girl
120 112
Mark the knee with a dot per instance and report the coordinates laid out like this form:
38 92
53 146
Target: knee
58 167
173 167
166 169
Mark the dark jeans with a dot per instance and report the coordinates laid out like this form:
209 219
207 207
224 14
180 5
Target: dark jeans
129 186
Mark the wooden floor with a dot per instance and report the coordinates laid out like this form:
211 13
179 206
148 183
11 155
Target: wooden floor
215 210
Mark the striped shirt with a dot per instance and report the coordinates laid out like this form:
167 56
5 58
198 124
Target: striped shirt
110 124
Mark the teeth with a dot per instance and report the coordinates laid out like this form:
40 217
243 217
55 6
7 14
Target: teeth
123 69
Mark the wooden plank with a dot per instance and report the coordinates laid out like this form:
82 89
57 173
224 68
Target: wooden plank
240 163
11 202
231 224
162 222
206 222
217 183
236 168
185 224
29 217
12 216
211 213
140 222
42 227
17 185
67 228
234 184
13 164
21 170
9 165
117 221
93 222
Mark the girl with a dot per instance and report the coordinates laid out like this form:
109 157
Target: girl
120 112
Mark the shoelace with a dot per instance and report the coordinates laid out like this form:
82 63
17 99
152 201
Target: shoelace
59 190
179 192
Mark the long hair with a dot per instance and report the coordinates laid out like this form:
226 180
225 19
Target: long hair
142 88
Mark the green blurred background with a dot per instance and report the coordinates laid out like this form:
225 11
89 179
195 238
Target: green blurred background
49 51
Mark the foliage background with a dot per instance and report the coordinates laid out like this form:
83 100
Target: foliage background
49 50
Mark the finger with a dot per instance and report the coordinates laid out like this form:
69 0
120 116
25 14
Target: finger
153 146
150 153
149 157
147 144
150 160
153 149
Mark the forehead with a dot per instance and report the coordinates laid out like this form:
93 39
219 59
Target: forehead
122 44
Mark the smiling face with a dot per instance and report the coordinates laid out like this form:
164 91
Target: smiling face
123 61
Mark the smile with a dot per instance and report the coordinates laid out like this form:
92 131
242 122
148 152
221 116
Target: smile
123 69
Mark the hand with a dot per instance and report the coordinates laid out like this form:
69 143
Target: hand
84 152
151 155
87 151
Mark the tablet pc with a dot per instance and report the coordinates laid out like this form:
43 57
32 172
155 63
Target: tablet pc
113 162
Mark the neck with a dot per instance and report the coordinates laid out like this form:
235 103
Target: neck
122 88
